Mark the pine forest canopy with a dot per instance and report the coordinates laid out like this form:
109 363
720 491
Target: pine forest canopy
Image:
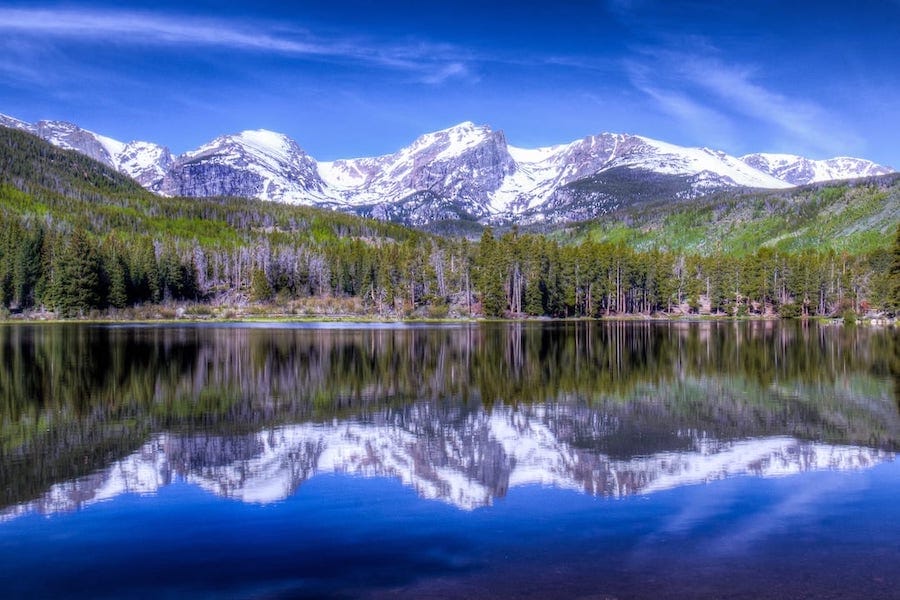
76 236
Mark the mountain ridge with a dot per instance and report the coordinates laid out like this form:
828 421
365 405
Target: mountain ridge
464 172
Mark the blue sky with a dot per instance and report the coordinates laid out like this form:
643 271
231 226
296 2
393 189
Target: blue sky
354 77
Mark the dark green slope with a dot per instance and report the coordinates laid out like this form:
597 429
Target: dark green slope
613 189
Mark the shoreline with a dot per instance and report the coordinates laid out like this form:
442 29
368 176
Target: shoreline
49 319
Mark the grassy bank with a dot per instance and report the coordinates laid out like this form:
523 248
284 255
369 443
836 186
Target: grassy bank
303 313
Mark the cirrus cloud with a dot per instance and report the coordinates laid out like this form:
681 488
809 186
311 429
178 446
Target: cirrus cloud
141 28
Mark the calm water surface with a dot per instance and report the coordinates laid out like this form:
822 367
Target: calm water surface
591 460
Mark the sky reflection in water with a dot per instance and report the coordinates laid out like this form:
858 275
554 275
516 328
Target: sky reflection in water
623 461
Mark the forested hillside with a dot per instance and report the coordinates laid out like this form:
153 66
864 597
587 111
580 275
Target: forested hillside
76 236
854 216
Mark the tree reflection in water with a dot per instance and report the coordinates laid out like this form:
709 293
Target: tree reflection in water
460 413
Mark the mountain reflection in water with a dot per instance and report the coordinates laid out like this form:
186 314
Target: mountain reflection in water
467 468
460 414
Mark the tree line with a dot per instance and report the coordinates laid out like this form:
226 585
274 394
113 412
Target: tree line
73 271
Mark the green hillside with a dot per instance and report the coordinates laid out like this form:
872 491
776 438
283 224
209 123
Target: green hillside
854 216
39 180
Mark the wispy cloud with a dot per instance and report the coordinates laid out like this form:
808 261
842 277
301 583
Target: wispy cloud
32 64
454 70
703 121
798 118
15 66
139 28
703 91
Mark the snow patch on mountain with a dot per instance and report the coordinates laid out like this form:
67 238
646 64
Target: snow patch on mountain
113 147
267 148
539 171
675 160
14 123
145 162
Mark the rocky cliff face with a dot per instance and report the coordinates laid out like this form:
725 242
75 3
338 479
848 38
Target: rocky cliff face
71 137
466 164
251 164
145 162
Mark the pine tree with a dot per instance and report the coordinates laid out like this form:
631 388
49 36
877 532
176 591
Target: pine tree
115 272
144 272
171 274
76 277
490 275
895 275
28 269
118 288
6 269
260 289
534 270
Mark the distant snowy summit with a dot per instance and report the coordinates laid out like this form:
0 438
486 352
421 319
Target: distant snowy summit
797 170
464 172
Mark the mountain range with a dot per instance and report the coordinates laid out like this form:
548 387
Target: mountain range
466 172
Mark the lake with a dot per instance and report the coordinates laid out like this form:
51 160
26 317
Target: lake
522 460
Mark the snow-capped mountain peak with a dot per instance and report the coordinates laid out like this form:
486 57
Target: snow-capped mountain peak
145 162
465 171
275 149
253 163
13 123
466 162
797 170
451 141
